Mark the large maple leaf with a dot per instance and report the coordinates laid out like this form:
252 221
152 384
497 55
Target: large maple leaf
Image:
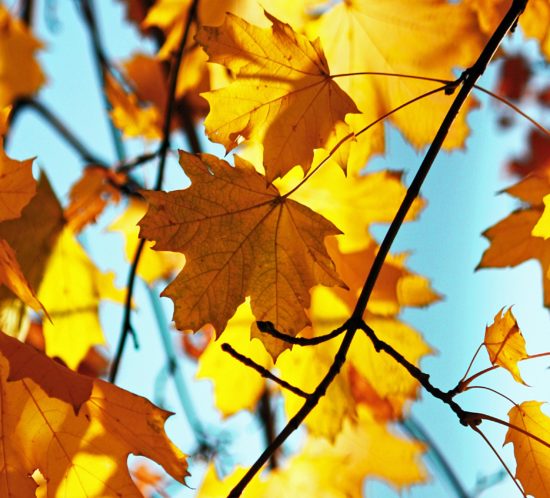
284 96
240 238
74 430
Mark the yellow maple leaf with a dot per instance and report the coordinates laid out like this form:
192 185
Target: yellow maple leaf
20 74
240 238
339 198
236 387
532 457
512 240
133 119
505 343
153 265
75 323
392 38
283 96
77 432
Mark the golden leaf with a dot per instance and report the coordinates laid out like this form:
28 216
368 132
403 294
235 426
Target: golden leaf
283 97
505 343
532 457
71 291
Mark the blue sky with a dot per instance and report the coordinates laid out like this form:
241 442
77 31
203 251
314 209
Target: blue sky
445 245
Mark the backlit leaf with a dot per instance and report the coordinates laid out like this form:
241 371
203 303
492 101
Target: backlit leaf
78 454
283 97
505 343
240 238
532 457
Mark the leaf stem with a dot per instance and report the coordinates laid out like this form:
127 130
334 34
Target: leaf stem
396 75
514 107
361 131
480 432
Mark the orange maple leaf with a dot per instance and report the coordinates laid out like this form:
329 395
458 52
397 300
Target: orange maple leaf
74 430
240 238
284 96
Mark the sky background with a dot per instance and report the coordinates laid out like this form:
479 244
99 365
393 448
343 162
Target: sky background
445 245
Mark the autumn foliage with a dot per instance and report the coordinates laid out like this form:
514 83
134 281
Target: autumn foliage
285 297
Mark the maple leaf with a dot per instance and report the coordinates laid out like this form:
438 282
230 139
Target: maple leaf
283 97
505 343
511 239
532 457
21 74
76 431
70 268
127 114
240 238
392 38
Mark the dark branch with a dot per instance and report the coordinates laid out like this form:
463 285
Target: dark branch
264 372
269 329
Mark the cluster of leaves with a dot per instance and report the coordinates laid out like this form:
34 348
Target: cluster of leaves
274 249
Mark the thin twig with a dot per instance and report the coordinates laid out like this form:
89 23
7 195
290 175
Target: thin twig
269 329
395 75
158 185
494 391
424 379
129 165
264 372
103 68
480 432
64 132
363 130
468 80
514 107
